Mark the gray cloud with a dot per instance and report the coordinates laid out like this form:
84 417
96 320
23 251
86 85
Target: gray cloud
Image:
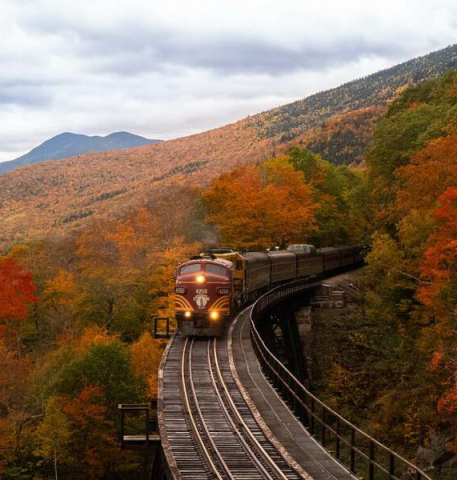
30 95
161 49
175 68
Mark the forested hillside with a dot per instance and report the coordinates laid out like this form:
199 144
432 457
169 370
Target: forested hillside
343 138
287 122
56 198
395 359
79 305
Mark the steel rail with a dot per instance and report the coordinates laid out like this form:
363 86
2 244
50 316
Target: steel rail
229 418
190 415
217 452
298 394
272 464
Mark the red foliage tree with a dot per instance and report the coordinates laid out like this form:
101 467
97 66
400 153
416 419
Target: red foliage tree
16 291
95 447
440 263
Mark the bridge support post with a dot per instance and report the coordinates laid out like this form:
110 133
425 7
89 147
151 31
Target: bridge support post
280 331
159 472
293 347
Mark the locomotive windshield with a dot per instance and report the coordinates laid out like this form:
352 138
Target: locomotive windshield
208 267
192 268
216 269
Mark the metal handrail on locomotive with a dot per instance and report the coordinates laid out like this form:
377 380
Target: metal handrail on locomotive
212 287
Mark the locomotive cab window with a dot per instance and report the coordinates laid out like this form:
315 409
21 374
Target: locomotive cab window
192 268
216 269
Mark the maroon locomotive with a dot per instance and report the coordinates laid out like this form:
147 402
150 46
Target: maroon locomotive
203 295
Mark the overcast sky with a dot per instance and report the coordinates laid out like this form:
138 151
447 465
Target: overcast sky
168 68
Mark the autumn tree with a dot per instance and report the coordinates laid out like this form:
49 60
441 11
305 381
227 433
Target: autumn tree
440 262
107 367
439 295
95 448
146 354
261 206
16 293
52 263
53 435
103 284
428 175
61 297
342 197
15 373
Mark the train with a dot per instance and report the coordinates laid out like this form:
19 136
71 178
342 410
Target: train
213 286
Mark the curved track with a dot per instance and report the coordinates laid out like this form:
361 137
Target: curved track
227 442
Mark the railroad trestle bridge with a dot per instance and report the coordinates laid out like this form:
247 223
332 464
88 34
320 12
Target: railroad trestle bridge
229 408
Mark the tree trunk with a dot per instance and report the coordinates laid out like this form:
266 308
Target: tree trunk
110 313
55 463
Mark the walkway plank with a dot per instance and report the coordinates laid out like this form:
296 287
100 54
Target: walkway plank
278 418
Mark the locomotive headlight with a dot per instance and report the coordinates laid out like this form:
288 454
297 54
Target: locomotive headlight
188 314
214 315
200 279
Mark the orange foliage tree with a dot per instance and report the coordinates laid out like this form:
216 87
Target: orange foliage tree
261 206
429 173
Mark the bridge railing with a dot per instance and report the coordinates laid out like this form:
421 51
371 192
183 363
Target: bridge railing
353 447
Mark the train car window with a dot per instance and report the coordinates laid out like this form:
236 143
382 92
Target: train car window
192 268
216 269
239 265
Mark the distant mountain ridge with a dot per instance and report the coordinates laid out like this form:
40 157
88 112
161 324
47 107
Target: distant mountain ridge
57 197
289 121
68 144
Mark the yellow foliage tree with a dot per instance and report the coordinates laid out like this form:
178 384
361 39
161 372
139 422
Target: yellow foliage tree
146 354
94 335
53 435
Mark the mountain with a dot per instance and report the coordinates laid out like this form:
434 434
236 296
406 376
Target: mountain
56 197
289 121
68 145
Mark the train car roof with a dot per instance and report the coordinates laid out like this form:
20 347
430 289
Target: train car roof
280 253
301 247
327 250
347 247
301 253
255 256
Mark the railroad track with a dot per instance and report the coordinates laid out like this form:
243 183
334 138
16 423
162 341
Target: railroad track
226 441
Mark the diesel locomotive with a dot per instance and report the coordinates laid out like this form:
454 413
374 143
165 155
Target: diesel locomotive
212 287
